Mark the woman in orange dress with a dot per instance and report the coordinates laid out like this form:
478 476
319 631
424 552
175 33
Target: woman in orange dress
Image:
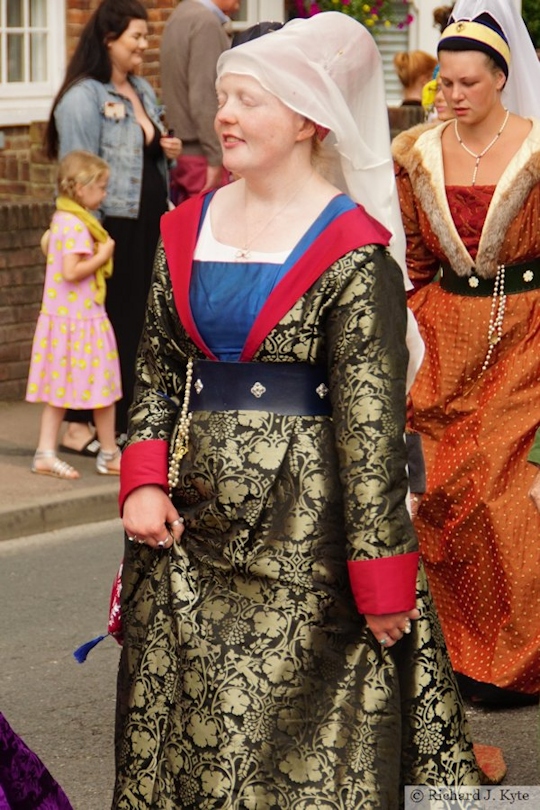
470 197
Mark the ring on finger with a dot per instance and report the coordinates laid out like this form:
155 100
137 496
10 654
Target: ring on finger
407 628
178 522
383 641
163 543
132 538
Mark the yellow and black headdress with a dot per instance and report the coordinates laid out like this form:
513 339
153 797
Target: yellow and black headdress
481 33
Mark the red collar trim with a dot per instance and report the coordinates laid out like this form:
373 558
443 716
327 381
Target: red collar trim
179 230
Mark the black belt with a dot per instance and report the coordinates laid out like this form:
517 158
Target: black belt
292 389
518 278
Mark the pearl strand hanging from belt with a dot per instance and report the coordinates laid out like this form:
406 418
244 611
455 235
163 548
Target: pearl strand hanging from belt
180 445
496 315
495 333
478 157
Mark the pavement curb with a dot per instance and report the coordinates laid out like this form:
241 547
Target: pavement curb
58 512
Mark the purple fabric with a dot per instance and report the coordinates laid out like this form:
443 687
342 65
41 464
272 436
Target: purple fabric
25 782
3 800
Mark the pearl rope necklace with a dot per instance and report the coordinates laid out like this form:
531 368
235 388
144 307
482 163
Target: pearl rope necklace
478 157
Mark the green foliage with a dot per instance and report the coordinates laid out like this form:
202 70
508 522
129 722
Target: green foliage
374 15
530 10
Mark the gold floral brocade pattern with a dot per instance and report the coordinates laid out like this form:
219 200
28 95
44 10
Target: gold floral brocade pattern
248 679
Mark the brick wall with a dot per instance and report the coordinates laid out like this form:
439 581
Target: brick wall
25 171
22 271
26 193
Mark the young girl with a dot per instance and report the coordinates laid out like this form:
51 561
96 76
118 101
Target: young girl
74 356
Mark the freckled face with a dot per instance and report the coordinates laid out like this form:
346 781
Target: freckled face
257 131
470 87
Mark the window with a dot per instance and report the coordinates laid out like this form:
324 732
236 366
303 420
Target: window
390 41
32 48
254 11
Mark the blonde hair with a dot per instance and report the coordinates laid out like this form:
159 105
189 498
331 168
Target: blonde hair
79 167
411 65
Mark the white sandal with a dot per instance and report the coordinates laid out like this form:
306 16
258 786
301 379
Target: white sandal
103 460
57 468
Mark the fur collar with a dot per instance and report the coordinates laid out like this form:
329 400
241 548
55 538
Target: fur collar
418 151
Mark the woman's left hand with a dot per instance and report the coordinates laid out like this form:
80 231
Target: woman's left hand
171 146
391 627
534 492
150 518
415 500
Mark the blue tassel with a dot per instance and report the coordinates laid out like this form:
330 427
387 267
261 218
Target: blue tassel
81 653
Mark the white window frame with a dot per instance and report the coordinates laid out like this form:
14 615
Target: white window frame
21 103
254 11
410 38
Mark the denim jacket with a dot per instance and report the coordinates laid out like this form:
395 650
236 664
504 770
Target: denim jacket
94 116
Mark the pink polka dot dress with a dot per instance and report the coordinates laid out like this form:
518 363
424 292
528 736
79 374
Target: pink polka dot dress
74 360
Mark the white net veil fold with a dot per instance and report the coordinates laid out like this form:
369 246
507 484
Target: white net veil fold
328 69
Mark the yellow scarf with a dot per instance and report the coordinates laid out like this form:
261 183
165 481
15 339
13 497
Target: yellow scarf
100 235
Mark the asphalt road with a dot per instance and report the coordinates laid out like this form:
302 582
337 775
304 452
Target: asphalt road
54 595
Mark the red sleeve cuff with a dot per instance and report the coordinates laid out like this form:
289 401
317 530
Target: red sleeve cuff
384 585
143 463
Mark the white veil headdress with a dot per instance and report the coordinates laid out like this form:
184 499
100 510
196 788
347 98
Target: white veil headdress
328 69
521 94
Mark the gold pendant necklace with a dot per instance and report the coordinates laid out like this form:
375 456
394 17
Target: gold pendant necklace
478 157
244 252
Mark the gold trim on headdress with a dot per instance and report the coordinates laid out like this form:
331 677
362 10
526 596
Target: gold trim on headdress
468 29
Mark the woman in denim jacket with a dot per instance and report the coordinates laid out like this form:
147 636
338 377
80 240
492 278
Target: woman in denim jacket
104 108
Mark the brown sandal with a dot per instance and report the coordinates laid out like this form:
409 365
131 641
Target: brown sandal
57 468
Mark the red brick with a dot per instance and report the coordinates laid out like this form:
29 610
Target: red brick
10 190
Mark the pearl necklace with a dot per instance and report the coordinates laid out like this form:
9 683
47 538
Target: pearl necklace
478 157
245 251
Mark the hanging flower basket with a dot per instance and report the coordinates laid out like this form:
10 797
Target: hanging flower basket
376 16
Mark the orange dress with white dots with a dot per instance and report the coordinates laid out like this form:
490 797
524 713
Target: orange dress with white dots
477 410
